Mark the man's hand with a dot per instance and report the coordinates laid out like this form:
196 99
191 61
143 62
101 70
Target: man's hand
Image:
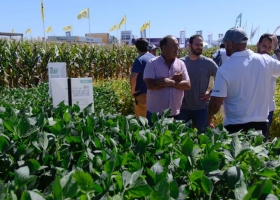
133 92
165 82
274 43
205 97
209 121
177 76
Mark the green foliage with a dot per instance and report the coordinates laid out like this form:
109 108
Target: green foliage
65 153
23 63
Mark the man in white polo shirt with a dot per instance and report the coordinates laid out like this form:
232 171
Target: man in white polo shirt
242 85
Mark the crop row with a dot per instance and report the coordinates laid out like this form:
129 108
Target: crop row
68 153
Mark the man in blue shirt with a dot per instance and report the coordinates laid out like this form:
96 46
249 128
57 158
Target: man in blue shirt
137 85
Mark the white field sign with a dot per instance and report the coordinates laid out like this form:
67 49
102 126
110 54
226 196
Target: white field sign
56 70
81 91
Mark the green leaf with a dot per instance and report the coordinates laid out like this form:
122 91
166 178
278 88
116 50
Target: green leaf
161 191
66 117
25 196
210 162
241 191
166 113
203 138
75 139
207 185
117 197
9 125
233 175
2 109
69 185
57 189
154 118
255 161
269 173
126 178
84 181
35 196
40 120
151 174
4 144
174 190
90 121
97 143
157 168
215 147
109 166
187 148
135 175
97 188
33 165
43 140
2 194
184 163
196 175
23 177
235 146
56 129
139 189
166 139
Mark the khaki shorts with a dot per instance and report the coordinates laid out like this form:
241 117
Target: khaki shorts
140 105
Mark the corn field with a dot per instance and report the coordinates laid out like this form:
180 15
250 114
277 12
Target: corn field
24 63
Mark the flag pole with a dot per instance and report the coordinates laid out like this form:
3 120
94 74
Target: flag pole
89 20
149 31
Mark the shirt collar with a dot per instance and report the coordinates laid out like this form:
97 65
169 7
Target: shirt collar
246 52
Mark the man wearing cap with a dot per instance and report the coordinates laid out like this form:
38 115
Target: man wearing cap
266 43
153 49
137 84
241 85
200 68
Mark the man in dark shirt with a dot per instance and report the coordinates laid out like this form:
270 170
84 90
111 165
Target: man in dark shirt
137 84
200 69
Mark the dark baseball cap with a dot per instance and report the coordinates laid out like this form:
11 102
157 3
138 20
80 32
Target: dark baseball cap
152 47
236 35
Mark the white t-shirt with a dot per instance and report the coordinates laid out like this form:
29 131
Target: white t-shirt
245 82
272 105
223 53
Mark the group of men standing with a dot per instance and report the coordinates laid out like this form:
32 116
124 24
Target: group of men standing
244 84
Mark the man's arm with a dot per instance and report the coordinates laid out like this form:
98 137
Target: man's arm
152 84
133 78
214 107
168 82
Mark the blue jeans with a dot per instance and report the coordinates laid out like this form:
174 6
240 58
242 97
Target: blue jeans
270 118
198 117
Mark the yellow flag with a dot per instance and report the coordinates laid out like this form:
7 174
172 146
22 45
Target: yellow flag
28 31
49 29
42 10
115 27
84 14
143 27
67 28
12 30
147 25
123 21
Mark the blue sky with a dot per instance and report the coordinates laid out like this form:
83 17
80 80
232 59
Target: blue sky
167 17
